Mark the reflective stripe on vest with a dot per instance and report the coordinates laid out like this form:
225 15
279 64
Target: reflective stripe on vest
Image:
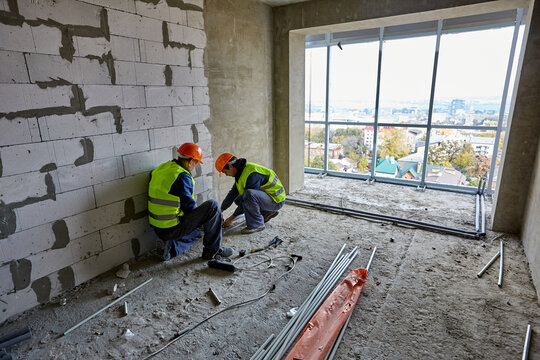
163 208
273 187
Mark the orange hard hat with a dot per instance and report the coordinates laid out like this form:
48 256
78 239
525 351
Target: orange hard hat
222 160
191 150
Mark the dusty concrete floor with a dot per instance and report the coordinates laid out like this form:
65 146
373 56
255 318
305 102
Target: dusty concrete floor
422 298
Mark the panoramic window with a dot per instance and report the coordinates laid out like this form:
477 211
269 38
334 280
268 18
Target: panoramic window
423 104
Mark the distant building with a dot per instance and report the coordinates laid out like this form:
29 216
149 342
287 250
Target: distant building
387 167
335 151
482 145
444 175
457 104
368 136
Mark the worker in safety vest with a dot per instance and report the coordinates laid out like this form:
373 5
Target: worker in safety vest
257 192
173 212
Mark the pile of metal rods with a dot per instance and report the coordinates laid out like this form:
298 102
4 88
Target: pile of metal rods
480 219
276 347
392 219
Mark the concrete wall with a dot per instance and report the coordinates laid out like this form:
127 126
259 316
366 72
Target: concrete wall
531 226
91 100
238 61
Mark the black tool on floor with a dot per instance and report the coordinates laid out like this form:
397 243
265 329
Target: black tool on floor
222 265
274 242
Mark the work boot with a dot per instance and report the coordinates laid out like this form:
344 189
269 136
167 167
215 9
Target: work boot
270 216
247 230
223 252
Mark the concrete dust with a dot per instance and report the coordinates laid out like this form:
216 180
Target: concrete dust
422 298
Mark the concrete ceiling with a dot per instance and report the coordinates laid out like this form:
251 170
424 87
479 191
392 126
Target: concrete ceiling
281 2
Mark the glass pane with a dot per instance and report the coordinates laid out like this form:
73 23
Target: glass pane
315 84
350 149
498 161
353 82
470 77
314 146
400 152
406 73
459 157
513 76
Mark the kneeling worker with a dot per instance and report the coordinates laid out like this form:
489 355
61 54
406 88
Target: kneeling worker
257 192
173 212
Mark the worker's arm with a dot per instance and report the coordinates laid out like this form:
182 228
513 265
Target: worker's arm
183 188
229 199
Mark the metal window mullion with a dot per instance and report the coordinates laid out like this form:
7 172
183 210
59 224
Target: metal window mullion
431 101
327 107
519 16
377 96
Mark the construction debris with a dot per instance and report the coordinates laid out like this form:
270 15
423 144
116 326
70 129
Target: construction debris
123 272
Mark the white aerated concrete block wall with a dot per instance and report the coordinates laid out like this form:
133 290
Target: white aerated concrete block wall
94 94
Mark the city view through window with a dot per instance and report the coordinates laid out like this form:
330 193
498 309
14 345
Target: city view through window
390 140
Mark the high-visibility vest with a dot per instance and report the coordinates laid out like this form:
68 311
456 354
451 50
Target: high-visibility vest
272 187
163 208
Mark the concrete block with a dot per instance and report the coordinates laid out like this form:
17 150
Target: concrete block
178 16
17 97
158 11
133 96
66 204
170 136
18 159
6 281
135 26
147 241
91 46
202 132
18 188
195 19
75 177
56 127
91 71
62 11
148 118
131 142
103 95
200 95
94 220
125 73
197 58
195 37
185 76
28 242
48 67
16 38
185 115
35 134
155 53
124 5
16 302
85 247
116 190
176 33
96 265
48 40
13 69
204 113
168 96
208 166
199 3
120 233
149 74
206 146
4 5
125 48
16 131
146 161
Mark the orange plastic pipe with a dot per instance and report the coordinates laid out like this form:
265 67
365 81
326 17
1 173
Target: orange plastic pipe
323 328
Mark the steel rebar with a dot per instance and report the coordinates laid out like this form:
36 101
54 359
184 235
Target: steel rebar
526 345
477 216
392 219
489 264
501 267
106 307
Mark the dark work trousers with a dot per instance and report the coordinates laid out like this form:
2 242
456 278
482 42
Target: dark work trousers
181 237
257 204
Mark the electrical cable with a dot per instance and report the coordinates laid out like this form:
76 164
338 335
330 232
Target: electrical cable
193 327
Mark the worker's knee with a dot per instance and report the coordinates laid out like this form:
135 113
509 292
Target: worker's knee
249 194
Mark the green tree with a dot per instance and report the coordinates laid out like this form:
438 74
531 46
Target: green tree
480 167
362 165
394 143
318 163
458 154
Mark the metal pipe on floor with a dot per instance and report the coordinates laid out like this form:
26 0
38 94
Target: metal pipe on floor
393 219
106 307
527 341
15 338
484 186
501 268
489 264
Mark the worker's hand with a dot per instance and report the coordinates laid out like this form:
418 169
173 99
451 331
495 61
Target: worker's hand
228 222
